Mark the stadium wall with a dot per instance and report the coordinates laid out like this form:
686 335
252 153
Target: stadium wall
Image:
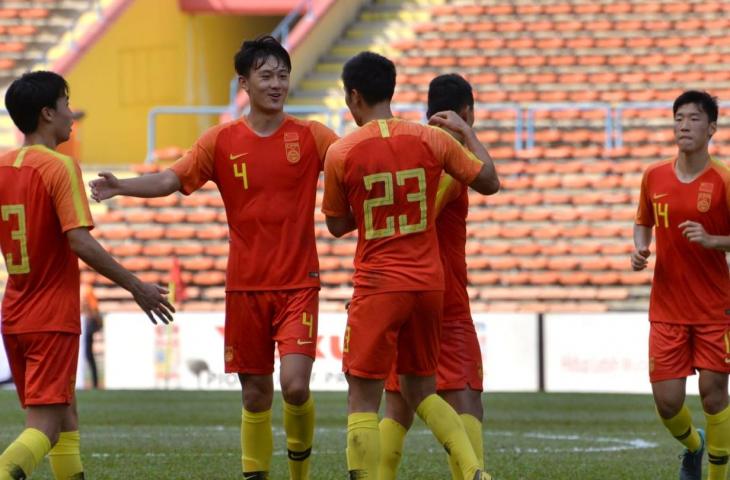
605 353
153 55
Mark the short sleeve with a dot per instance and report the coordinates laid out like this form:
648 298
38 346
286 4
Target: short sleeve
645 212
448 191
195 168
334 203
69 195
323 138
458 161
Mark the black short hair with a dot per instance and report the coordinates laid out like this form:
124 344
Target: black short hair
449 92
254 53
29 94
372 75
706 102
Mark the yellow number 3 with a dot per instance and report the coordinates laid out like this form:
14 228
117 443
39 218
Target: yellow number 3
19 236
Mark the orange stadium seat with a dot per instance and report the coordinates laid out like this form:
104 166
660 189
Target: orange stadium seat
33 13
126 250
215 232
188 249
157 249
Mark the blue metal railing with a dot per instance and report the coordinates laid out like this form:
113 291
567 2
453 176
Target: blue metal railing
564 106
525 122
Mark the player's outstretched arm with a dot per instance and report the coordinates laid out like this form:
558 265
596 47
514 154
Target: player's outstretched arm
339 226
642 240
487 182
150 297
147 186
696 233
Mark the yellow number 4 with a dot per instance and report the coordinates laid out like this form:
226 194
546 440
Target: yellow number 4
308 321
19 236
241 173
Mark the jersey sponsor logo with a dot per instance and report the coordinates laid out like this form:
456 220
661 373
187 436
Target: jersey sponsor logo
291 137
236 156
657 196
293 154
707 187
704 200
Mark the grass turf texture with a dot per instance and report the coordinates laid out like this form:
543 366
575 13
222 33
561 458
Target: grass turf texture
195 435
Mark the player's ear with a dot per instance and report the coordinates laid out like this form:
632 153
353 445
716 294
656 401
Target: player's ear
243 83
47 114
712 129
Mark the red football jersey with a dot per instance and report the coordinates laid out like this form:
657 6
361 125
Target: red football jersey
691 283
42 196
268 185
452 208
387 173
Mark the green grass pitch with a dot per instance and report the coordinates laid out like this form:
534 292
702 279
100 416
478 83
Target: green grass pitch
195 435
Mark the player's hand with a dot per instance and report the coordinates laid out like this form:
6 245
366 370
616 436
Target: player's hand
105 187
452 122
640 259
695 233
152 299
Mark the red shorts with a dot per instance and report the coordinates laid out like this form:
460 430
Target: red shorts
384 327
678 350
256 321
460 358
43 366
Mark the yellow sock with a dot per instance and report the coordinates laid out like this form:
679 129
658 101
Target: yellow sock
363 445
392 435
473 428
448 428
24 454
299 426
65 457
680 426
257 442
718 444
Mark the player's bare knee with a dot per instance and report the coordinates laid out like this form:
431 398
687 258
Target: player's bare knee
668 407
714 401
295 392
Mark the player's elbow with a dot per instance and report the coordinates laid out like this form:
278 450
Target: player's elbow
486 185
78 239
170 182
336 226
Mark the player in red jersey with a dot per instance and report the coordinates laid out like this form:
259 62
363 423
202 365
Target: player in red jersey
459 372
44 229
687 201
382 180
266 166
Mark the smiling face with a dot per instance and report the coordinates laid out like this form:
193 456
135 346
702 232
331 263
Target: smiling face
267 86
692 128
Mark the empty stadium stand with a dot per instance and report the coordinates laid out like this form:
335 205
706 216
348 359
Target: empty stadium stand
548 79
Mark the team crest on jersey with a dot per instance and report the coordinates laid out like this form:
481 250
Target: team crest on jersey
292 152
704 197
